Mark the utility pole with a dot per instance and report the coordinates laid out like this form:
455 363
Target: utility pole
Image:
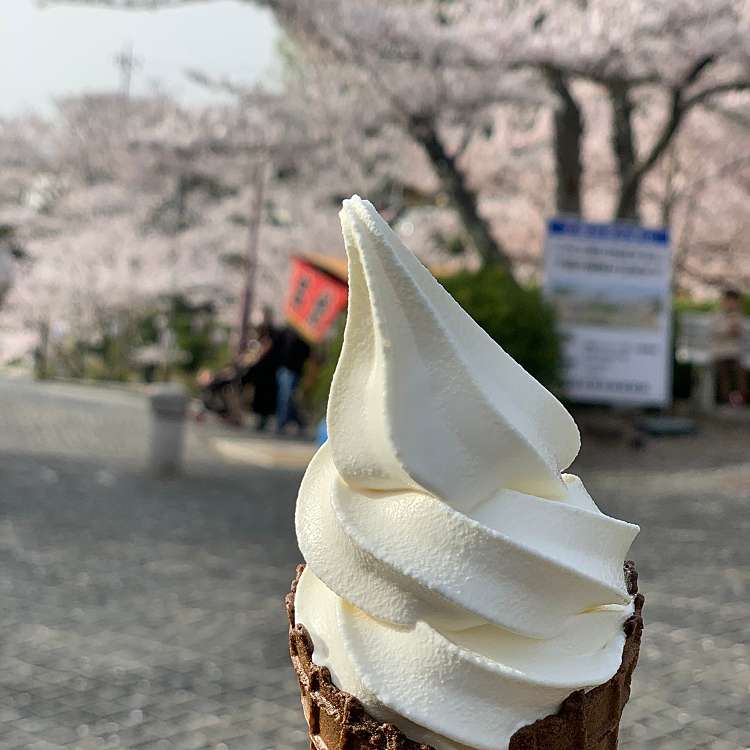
127 62
258 179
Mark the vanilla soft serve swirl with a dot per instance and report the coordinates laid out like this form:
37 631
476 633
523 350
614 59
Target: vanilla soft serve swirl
457 583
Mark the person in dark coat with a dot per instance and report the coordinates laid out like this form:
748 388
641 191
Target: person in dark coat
294 352
262 375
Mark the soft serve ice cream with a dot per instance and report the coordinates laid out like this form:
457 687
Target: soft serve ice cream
457 583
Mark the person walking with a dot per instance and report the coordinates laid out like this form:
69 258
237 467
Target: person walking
293 353
262 375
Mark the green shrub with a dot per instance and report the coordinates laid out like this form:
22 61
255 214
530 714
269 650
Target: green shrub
517 317
682 372
196 329
521 321
686 304
315 391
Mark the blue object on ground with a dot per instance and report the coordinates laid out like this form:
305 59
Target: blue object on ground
286 410
667 425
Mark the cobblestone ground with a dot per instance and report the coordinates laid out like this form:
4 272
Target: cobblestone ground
137 613
692 687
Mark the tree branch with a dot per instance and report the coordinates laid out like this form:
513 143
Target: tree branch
569 129
464 142
462 196
691 196
716 280
570 71
742 84
730 115
677 109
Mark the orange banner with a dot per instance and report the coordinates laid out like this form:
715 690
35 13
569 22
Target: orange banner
315 299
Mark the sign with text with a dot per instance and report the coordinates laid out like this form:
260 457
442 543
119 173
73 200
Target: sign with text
611 287
314 299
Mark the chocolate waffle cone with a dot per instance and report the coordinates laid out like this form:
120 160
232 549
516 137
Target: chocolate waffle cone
586 720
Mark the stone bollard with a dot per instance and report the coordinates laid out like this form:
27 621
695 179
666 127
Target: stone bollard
168 408
704 387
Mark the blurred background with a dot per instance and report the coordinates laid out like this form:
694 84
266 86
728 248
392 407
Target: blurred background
172 295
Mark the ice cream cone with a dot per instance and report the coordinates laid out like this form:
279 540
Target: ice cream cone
586 720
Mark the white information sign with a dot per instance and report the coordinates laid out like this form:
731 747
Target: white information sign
611 287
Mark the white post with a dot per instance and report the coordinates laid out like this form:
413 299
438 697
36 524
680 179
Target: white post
168 409
705 387
6 272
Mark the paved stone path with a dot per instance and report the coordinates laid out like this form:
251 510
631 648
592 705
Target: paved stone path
137 613
692 687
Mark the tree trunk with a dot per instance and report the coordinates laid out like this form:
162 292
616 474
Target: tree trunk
464 199
623 145
258 179
568 135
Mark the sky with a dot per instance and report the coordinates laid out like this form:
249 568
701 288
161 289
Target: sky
46 52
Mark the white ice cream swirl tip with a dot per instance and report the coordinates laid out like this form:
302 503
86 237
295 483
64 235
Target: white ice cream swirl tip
457 583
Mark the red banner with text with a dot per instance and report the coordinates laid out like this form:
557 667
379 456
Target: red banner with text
315 299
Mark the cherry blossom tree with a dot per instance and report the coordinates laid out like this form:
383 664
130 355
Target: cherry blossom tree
442 75
120 213
470 122
90 210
